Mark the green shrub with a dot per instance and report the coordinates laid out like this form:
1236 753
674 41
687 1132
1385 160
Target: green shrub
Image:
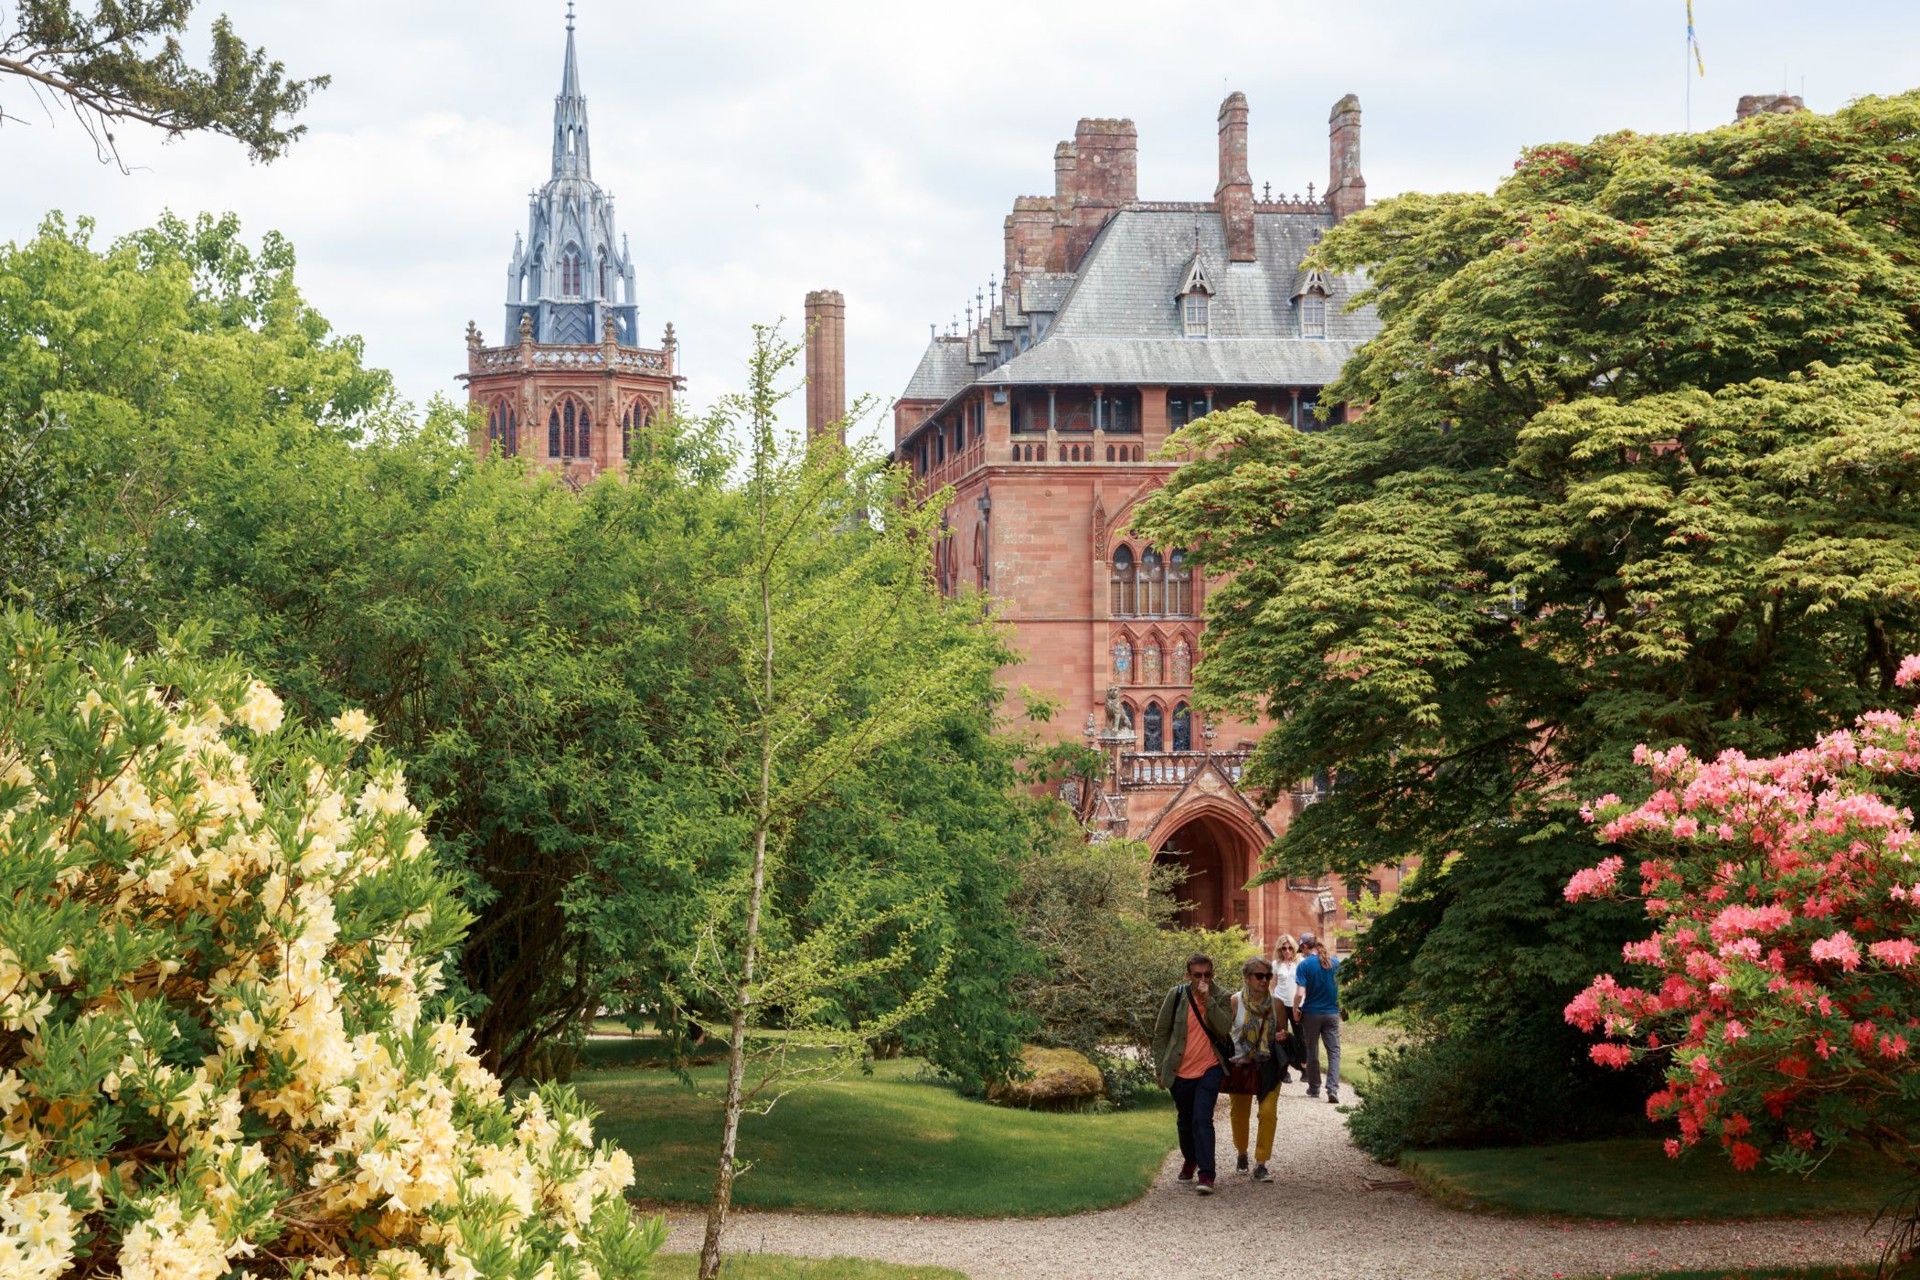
1492 1085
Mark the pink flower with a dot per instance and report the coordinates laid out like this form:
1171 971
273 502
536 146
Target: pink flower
1611 1055
1909 670
1899 952
1594 881
1840 947
1672 1147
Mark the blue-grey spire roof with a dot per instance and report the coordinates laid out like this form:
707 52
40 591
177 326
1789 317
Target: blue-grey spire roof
571 158
574 273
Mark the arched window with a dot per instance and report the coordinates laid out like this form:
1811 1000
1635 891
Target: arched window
1182 727
569 430
605 275
1181 662
1150 663
1152 583
1122 660
1179 585
1123 583
570 272
632 422
1153 721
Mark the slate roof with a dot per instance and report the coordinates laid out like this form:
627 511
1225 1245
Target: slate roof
1117 320
943 370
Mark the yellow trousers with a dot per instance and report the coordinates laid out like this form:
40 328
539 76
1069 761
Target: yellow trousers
1242 1108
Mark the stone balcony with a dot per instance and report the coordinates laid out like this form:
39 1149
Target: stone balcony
1169 770
548 358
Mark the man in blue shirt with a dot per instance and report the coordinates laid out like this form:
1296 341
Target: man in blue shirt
1318 1000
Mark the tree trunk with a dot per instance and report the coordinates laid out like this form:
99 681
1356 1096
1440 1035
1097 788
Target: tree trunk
737 1041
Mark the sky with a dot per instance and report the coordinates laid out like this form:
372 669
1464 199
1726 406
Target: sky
757 151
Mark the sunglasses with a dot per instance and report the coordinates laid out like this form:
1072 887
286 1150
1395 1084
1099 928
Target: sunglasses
1197 974
1261 977
1284 950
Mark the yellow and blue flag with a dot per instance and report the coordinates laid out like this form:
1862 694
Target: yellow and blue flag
1693 41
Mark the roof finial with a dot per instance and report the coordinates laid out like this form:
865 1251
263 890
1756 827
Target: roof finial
1266 192
569 15
1309 193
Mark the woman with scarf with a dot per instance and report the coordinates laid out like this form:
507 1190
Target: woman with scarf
1259 1033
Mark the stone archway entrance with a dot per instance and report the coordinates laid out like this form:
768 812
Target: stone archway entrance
1218 858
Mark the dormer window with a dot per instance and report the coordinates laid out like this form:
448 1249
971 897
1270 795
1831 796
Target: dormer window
1193 315
1193 297
1311 289
1313 315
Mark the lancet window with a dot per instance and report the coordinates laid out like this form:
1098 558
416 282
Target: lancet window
1150 663
1122 660
570 273
633 420
1153 737
1180 662
569 430
1182 727
1123 594
503 429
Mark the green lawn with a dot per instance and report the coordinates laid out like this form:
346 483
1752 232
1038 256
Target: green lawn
768 1266
1632 1178
889 1143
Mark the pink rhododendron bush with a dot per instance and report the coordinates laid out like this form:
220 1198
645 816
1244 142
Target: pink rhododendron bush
1782 983
221 1048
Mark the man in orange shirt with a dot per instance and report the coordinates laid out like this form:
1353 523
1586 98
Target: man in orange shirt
1195 1021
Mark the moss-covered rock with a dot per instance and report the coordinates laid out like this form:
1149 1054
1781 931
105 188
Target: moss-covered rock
1057 1080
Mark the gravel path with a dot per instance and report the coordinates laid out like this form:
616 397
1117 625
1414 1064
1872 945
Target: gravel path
1323 1220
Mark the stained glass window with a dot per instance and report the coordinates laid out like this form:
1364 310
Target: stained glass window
1150 664
1153 721
1182 728
553 433
566 431
1182 662
1122 660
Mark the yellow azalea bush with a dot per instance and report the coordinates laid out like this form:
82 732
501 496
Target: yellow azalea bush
222 1051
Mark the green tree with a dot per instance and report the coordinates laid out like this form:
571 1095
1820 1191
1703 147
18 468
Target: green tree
1637 464
845 650
121 60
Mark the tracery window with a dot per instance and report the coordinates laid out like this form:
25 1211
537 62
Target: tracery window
632 421
1179 585
1183 727
570 272
1122 660
1152 582
503 429
1150 663
569 430
1123 583
1155 728
1181 662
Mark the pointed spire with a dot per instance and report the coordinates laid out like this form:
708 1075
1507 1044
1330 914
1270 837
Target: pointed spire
571 158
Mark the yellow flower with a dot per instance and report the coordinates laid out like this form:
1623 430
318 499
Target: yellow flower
353 725
262 711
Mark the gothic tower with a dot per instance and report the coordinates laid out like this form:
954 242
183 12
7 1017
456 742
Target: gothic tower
574 389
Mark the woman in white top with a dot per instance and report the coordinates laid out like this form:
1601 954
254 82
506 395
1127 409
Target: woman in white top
1286 957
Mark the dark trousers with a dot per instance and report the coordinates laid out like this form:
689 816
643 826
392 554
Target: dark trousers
1193 1102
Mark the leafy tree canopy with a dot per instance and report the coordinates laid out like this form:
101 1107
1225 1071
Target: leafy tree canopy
117 60
1638 464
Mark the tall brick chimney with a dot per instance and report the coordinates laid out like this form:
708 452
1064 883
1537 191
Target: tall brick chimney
826 364
1346 189
1767 104
1029 235
1104 175
1234 195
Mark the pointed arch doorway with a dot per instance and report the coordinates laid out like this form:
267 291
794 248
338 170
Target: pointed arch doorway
1218 854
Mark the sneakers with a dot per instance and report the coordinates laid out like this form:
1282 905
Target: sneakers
1260 1174
1313 1093
1241 1164
1186 1170
1332 1096
1206 1184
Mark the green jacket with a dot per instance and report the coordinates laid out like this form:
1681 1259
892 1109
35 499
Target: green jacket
1170 1030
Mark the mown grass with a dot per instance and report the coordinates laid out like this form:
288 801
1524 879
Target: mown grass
769 1266
1633 1179
889 1143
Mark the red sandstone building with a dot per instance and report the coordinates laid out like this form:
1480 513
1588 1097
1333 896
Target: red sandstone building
1121 320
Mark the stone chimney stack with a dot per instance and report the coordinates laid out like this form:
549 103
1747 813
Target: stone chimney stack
1346 189
1767 104
1029 235
826 365
1105 175
1234 195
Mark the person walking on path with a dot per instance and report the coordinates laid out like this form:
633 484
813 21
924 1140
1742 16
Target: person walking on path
1259 1036
1318 1001
1286 957
1195 1020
